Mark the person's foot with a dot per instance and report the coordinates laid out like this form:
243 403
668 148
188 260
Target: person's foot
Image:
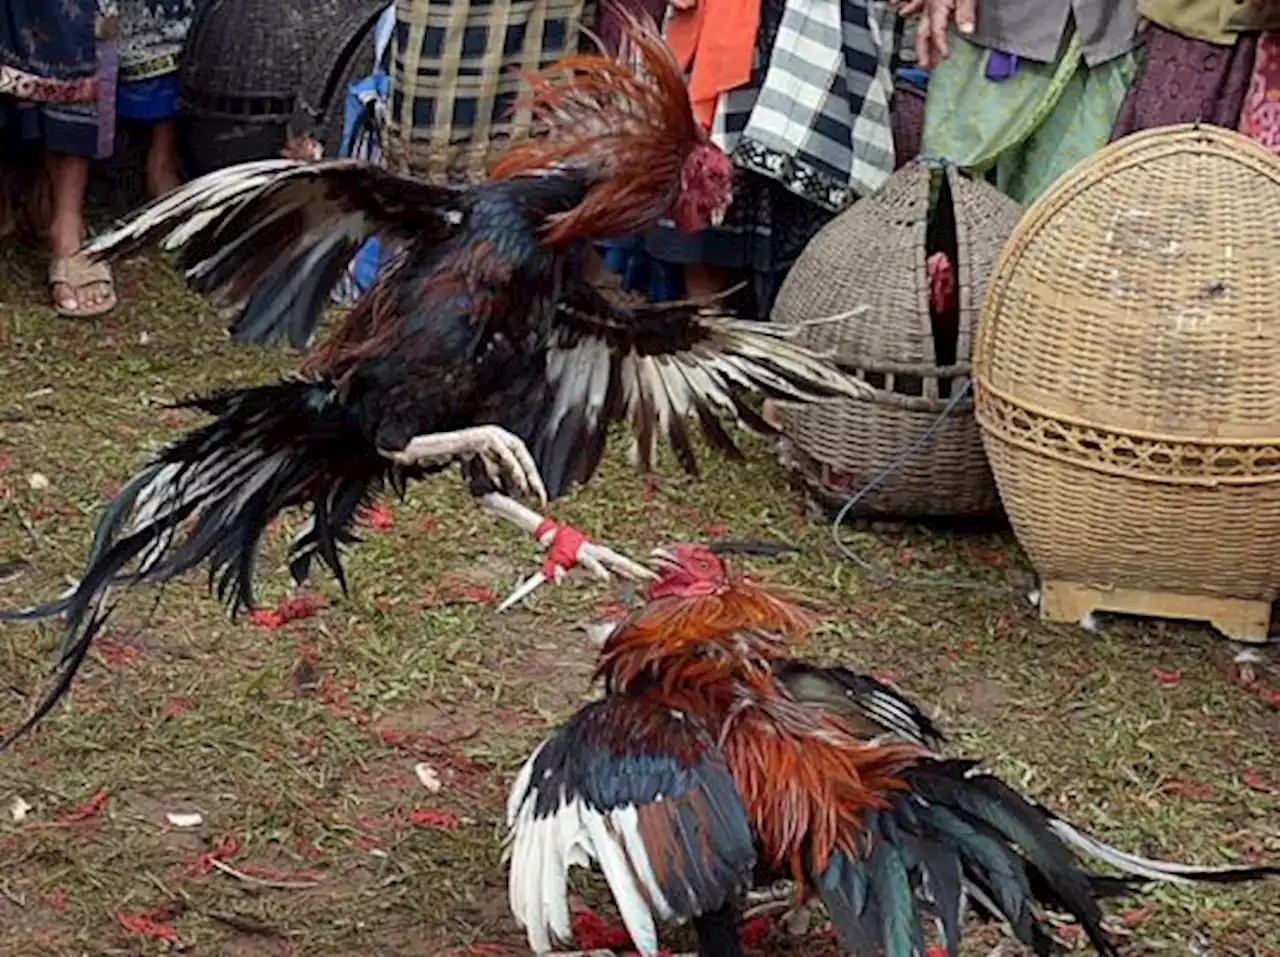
80 289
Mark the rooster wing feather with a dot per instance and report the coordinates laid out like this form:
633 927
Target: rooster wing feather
658 368
268 240
643 790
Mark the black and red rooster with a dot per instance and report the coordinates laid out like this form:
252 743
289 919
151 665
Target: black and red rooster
715 763
483 340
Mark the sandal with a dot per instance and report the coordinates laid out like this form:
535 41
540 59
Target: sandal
78 274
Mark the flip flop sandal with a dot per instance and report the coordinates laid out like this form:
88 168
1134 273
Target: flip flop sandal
77 273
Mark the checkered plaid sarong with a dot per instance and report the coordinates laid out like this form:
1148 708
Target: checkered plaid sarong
454 78
819 122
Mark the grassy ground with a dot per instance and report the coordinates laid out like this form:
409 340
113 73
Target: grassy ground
299 743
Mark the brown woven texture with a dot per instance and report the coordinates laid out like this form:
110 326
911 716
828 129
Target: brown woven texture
873 255
1128 369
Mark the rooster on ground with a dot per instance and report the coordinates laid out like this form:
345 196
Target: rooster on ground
481 341
715 762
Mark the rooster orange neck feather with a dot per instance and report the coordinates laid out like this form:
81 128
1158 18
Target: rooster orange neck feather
628 126
803 777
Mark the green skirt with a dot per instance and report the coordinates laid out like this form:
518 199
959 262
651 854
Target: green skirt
1026 130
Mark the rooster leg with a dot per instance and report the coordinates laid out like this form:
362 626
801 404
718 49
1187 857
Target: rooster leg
565 545
501 453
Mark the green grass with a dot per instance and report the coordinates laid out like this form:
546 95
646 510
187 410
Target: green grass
298 745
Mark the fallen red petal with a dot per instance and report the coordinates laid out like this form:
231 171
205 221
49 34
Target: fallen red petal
115 652
263 618
377 516
145 925
1189 789
1138 914
715 530
754 931
175 707
224 849
427 523
1253 780
298 606
592 933
1270 696
430 817
1169 677
84 810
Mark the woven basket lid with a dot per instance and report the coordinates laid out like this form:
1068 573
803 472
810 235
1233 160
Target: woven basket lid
245 58
1138 298
871 259
342 51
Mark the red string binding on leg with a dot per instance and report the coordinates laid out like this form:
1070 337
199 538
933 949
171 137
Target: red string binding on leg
563 552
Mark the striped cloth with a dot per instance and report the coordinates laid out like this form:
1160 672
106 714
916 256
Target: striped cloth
454 77
819 122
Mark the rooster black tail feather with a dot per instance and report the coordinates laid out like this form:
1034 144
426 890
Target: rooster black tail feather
956 836
211 495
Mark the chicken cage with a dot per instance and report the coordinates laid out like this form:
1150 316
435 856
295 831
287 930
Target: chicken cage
1126 383
893 287
242 69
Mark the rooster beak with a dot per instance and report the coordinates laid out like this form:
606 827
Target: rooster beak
663 558
717 215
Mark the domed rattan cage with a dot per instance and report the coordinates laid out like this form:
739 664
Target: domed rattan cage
343 52
1128 382
868 267
242 70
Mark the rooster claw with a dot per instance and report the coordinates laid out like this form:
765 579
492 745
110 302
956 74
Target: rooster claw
501 453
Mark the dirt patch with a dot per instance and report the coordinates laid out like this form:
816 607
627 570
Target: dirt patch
977 696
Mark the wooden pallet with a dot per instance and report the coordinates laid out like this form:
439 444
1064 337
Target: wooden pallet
1237 618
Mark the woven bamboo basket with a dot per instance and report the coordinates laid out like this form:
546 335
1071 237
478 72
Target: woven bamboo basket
242 70
1128 382
872 258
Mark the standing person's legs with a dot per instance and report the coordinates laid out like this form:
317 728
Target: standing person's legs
80 289
162 159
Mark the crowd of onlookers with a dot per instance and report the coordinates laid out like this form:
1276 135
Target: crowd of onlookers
817 104
67 70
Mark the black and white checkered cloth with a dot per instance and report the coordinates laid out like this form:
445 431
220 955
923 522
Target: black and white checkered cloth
455 76
819 122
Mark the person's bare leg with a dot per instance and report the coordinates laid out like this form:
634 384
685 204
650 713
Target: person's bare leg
162 159
68 176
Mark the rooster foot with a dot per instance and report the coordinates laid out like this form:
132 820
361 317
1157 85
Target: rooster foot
502 454
778 898
566 547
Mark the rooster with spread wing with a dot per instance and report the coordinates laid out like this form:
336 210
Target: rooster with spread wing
715 762
482 341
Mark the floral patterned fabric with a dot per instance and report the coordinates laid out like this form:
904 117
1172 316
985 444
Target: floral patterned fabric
152 33
1260 116
49 75
1187 81
47 50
